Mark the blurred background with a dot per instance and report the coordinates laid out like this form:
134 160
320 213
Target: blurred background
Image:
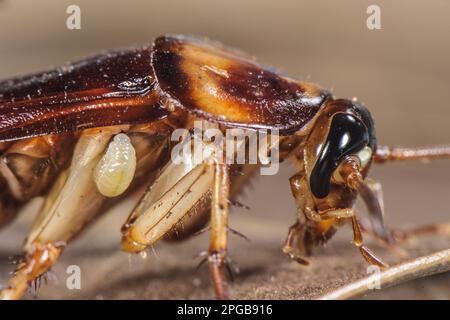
401 72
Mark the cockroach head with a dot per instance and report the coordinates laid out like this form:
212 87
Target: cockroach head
345 130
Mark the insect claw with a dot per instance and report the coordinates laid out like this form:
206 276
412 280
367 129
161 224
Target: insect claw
391 242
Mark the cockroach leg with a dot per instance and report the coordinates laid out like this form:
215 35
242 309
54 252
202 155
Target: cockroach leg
60 218
293 243
358 241
168 200
37 262
295 246
393 243
338 213
371 193
304 203
377 189
376 198
375 227
350 172
219 229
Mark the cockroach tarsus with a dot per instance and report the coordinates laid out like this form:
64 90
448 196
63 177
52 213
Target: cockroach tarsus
74 134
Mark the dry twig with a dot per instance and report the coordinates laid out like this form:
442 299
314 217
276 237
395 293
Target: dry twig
434 263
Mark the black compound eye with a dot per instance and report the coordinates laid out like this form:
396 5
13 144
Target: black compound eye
347 135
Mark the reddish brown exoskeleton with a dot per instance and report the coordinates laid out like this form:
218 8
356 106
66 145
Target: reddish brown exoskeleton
85 134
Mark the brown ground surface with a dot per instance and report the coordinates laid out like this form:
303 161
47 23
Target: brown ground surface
401 72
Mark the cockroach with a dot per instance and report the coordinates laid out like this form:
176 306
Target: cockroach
85 134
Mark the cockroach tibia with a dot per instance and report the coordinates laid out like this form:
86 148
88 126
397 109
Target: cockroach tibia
86 134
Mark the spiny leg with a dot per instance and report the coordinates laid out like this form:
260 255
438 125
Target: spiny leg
294 242
169 200
351 174
217 252
74 199
37 262
371 192
392 243
71 203
358 241
311 229
295 247
27 168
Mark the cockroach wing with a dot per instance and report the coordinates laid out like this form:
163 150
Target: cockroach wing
109 89
222 85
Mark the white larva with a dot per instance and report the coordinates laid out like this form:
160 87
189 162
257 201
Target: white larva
115 170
